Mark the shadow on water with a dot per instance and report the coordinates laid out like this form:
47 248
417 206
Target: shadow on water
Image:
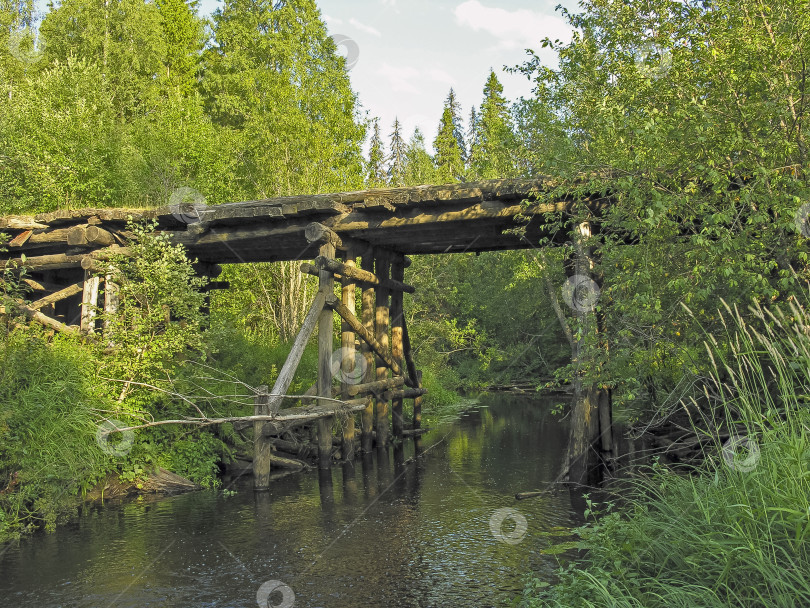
432 522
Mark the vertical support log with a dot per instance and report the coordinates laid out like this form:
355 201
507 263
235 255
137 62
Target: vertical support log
381 322
261 444
367 416
584 430
417 404
326 285
397 347
347 362
415 374
89 303
110 298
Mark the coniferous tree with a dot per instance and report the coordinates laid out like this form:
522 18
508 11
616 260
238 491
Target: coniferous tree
453 103
184 36
375 172
419 168
449 155
472 137
495 141
396 159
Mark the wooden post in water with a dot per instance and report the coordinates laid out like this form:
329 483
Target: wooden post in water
415 375
584 426
261 444
326 285
347 362
381 322
367 416
397 350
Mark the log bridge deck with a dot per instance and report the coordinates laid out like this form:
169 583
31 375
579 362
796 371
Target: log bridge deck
380 227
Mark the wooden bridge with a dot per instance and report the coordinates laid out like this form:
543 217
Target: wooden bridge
61 251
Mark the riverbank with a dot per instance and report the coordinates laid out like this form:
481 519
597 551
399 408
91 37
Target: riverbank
732 531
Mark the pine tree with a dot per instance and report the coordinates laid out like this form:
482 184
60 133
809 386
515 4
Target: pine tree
449 155
375 171
419 168
495 142
396 159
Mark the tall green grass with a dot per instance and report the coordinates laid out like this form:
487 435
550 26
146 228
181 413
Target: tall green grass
736 531
48 416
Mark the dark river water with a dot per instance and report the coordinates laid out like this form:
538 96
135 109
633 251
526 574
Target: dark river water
434 524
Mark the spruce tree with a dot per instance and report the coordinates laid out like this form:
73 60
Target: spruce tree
449 155
375 171
494 151
419 168
458 128
184 36
472 137
396 159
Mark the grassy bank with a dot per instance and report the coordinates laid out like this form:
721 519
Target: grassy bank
734 531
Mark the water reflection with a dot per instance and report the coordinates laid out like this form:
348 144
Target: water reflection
408 526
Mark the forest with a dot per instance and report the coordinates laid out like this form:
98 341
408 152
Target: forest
687 117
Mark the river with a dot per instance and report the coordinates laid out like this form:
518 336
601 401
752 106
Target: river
434 524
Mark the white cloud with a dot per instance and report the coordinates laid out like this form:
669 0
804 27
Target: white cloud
365 28
406 79
332 20
514 29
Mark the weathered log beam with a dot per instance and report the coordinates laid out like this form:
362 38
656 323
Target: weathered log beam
21 222
408 393
59 295
45 262
285 376
37 316
362 276
378 348
373 388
